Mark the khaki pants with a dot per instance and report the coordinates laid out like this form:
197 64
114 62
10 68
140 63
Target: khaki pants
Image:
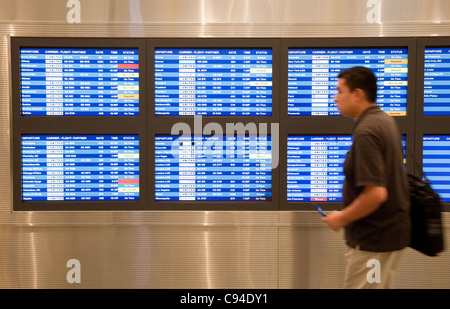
370 270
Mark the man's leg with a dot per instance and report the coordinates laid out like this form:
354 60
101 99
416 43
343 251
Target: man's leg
370 270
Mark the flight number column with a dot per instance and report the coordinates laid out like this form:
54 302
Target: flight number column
187 168
187 84
54 84
55 169
319 85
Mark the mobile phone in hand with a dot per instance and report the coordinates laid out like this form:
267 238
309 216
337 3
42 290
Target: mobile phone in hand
320 210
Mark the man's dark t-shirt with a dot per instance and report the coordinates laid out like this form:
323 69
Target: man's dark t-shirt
376 158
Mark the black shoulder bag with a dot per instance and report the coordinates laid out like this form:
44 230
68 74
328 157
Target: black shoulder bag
427 233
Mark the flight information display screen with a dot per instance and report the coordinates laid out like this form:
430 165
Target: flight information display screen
79 82
315 167
315 170
436 163
213 82
312 78
436 93
80 167
211 168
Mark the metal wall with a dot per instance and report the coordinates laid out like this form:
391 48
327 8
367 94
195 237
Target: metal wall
193 249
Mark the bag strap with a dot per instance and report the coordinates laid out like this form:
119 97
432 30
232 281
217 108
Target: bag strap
424 178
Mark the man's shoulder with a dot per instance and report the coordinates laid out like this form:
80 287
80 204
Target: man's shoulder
374 121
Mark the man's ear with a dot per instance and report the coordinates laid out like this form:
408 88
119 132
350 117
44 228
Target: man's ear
359 94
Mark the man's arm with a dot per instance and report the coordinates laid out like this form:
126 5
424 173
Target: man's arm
366 203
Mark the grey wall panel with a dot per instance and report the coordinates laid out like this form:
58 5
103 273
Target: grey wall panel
280 250
179 254
225 18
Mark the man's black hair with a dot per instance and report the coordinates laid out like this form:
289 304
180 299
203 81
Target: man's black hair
361 78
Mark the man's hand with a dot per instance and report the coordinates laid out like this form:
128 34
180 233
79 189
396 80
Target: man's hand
335 220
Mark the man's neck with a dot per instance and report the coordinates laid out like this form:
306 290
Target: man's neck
364 107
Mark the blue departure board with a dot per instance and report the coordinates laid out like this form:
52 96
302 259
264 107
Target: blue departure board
312 78
436 93
315 167
80 167
211 168
436 163
315 171
79 82
213 82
